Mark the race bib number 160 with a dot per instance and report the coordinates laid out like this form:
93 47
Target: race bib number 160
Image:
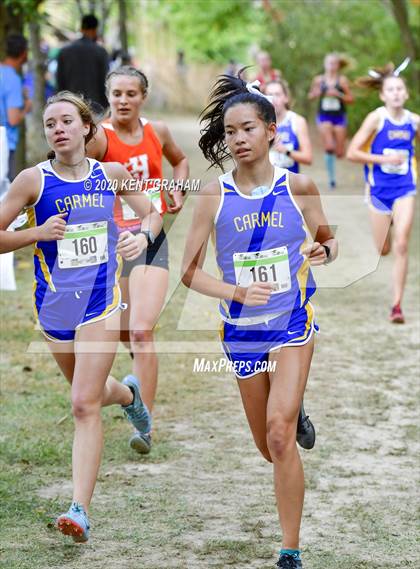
84 245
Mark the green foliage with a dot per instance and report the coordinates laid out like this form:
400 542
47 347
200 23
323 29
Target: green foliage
27 8
298 39
365 30
212 30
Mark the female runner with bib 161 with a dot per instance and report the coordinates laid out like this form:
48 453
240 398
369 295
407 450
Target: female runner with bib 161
139 145
333 91
77 300
385 144
257 215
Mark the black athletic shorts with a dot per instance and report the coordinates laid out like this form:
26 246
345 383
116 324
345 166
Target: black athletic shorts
155 255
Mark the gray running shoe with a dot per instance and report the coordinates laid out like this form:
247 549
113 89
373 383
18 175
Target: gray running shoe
137 412
305 434
141 442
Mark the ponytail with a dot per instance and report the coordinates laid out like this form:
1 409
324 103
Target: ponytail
227 92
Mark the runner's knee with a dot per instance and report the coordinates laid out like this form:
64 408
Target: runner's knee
281 436
141 334
400 246
84 408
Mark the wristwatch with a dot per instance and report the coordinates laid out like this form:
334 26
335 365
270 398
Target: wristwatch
150 236
328 253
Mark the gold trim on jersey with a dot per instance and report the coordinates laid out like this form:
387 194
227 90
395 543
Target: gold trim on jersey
302 273
39 253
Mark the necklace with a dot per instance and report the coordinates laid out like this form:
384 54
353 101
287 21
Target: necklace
70 165
260 191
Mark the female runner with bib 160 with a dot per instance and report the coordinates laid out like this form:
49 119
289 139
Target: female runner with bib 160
385 144
77 300
139 145
256 214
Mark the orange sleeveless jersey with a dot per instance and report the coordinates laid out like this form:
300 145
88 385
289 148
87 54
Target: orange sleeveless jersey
144 162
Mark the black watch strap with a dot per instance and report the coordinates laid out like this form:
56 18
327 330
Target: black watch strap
327 252
149 236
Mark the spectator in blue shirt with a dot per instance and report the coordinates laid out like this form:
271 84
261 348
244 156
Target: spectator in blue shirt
13 102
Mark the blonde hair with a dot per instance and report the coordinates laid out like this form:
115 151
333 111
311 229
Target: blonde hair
344 61
128 71
286 89
83 108
377 76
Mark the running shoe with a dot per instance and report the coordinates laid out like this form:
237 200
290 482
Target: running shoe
75 523
396 316
137 412
305 434
287 561
141 442
332 186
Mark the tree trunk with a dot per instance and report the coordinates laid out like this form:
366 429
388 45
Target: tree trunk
122 12
400 12
36 142
105 10
3 33
92 6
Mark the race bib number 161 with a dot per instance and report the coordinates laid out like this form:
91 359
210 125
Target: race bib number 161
270 266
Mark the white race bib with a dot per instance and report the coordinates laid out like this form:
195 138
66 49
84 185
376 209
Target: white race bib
330 104
280 159
400 169
270 266
84 245
154 196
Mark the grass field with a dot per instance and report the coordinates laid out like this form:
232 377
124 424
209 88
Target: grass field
204 497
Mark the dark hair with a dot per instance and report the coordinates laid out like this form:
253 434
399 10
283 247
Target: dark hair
16 44
83 108
377 79
89 22
227 92
130 71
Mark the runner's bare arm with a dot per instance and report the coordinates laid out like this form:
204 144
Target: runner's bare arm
347 96
193 275
417 123
137 200
23 192
172 152
360 139
177 160
304 154
315 90
98 145
307 197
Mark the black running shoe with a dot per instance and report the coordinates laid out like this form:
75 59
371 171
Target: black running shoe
287 561
305 434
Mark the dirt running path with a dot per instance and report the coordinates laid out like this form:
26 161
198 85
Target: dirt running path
204 497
